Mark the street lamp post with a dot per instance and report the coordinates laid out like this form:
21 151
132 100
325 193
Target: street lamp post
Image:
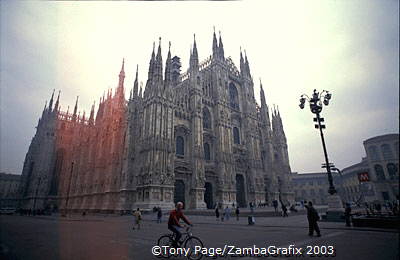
317 100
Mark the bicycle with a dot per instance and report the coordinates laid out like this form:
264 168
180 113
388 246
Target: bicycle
187 240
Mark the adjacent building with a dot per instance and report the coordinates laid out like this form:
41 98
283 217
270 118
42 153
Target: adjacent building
374 179
198 137
9 185
383 163
312 186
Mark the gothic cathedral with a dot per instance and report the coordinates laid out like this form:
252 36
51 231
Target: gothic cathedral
198 137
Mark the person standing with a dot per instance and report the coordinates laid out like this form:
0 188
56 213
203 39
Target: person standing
347 214
275 204
159 215
312 217
284 211
138 218
237 212
216 213
227 213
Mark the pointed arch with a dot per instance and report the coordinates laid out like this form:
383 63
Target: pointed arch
207 154
236 135
180 146
233 96
206 118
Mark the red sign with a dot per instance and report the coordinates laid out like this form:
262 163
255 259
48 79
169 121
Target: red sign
363 177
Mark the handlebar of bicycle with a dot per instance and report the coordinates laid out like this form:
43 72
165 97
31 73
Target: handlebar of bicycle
188 227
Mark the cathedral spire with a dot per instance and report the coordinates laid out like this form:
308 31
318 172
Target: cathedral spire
120 88
247 67
51 101
75 109
215 46
44 109
242 66
151 69
158 64
57 101
140 90
264 107
194 56
91 117
122 72
221 47
152 60
168 65
262 95
135 85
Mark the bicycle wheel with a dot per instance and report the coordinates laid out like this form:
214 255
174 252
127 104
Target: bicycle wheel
192 243
165 240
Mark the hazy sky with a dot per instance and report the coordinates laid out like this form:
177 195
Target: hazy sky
350 48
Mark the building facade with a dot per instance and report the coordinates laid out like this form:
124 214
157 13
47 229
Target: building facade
9 185
313 186
374 179
383 163
198 137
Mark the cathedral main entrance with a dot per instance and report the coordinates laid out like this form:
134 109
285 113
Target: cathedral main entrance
179 193
240 191
208 195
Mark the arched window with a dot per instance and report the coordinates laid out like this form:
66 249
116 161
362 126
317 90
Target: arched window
207 155
180 146
206 119
233 96
236 137
373 153
392 170
387 152
380 175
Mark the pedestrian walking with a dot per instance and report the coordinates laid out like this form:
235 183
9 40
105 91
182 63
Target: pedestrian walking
159 215
275 204
312 217
138 218
216 213
284 211
227 213
347 214
237 212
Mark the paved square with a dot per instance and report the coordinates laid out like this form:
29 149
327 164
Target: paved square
111 237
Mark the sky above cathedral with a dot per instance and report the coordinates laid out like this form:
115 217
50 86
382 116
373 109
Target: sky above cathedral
347 47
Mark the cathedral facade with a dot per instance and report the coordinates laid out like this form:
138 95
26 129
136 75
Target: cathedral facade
198 137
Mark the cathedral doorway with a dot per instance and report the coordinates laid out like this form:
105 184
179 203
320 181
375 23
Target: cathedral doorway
179 193
208 195
240 192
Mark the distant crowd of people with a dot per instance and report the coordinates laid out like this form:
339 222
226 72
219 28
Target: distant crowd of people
224 212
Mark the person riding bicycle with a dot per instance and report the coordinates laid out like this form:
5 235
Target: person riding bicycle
173 221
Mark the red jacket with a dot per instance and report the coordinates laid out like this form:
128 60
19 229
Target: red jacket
175 216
